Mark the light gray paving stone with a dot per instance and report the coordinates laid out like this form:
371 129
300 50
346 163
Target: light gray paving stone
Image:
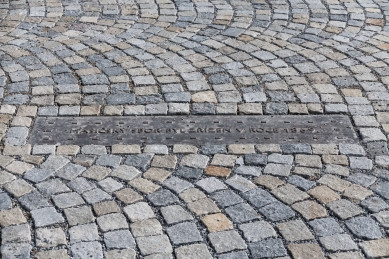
257 231
84 233
226 241
119 239
46 217
154 244
195 251
339 242
174 214
16 234
87 249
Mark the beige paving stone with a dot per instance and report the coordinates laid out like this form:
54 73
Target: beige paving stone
18 187
224 160
27 111
128 196
310 210
268 148
6 177
241 149
125 149
295 230
289 194
156 174
5 160
36 160
167 161
376 248
306 251
184 149
269 181
308 161
297 108
57 254
324 194
18 167
203 206
68 150
11 217
17 150
106 207
335 159
144 185
217 171
50 237
204 97
192 195
217 222
113 110
250 108
90 110
334 182
346 255
357 193
310 173
97 173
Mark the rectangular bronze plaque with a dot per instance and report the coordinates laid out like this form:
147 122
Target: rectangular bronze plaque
195 130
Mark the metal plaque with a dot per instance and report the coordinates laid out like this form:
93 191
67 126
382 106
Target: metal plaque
195 130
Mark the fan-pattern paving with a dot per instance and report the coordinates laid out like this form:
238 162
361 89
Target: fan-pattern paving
135 58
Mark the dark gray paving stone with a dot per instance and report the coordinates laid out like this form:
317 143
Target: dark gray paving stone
189 172
241 213
277 211
378 148
226 198
259 198
269 248
301 182
276 108
213 149
203 108
141 161
162 197
255 159
119 99
80 185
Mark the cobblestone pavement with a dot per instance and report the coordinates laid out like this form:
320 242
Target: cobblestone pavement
137 57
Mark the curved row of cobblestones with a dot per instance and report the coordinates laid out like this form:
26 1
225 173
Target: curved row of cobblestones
302 60
240 201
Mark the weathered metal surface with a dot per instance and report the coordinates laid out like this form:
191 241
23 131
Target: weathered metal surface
195 130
